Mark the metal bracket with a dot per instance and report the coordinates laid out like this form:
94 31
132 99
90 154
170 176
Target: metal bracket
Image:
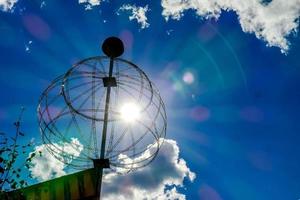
109 82
101 163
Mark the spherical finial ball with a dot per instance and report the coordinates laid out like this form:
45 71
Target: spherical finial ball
113 47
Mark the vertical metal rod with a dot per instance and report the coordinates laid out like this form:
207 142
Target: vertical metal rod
104 131
99 174
94 131
111 65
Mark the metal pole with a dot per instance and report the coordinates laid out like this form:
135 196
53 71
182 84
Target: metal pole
104 131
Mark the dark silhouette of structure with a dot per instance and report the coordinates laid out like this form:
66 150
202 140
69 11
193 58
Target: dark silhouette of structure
104 114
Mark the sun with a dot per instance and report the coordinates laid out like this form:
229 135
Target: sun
130 112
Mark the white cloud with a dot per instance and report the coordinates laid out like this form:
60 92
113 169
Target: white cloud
157 181
27 46
272 22
137 13
89 3
43 4
47 166
7 5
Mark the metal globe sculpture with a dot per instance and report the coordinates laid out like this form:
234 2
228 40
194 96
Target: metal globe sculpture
103 112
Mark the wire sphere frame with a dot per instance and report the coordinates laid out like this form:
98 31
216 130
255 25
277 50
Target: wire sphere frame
70 71
51 133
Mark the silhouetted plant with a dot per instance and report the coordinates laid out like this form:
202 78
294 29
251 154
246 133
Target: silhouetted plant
11 165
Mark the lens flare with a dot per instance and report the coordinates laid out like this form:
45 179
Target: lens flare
188 78
130 112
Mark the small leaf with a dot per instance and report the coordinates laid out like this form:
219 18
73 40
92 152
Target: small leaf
14 185
17 123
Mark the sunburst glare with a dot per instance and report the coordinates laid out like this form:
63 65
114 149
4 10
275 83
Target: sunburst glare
130 112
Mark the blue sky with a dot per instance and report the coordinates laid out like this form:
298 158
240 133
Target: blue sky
229 82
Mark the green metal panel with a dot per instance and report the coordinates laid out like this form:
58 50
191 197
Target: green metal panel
81 185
